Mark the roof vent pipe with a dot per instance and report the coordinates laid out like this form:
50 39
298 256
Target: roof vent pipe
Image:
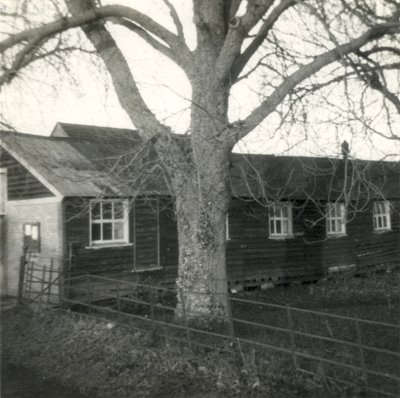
345 149
3 191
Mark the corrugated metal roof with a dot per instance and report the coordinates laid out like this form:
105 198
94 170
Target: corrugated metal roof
63 166
90 161
302 177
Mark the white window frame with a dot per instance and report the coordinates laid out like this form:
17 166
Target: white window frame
338 221
112 220
273 220
381 216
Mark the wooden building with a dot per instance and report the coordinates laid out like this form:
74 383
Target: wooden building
93 200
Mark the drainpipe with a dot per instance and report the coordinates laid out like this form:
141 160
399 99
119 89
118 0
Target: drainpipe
3 210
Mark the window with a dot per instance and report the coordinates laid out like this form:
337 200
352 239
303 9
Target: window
335 219
108 222
280 220
381 215
32 237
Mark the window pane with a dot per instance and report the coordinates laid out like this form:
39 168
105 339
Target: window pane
107 231
95 210
35 232
285 226
272 227
107 210
96 231
384 222
285 211
278 227
118 210
119 230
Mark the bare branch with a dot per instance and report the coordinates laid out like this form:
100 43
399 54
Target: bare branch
375 50
93 14
175 18
125 86
305 71
147 38
244 58
22 59
239 28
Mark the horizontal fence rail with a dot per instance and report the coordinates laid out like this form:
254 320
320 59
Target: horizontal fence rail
151 308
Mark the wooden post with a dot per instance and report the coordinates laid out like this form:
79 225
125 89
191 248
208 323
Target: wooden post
152 315
118 299
361 352
65 274
230 323
29 273
42 286
3 232
50 279
90 293
292 341
21 278
63 290
185 318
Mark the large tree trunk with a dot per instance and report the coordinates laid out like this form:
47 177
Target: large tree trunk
202 204
202 201
201 210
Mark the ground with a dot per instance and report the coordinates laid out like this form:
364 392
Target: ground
105 359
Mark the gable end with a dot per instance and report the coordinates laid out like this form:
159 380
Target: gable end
20 182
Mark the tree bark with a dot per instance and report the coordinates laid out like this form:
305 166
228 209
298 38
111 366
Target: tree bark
201 209
202 200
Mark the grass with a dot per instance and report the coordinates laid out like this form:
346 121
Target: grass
374 298
102 359
106 359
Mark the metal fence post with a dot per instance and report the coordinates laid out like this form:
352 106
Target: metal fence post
292 341
361 352
185 319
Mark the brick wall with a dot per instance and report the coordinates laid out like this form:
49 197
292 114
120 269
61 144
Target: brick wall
47 212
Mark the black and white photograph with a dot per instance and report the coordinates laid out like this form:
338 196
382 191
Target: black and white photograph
200 198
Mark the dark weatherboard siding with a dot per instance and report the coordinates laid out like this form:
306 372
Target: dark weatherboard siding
252 257
86 260
152 234
21 183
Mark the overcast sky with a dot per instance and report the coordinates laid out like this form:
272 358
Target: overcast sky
39 99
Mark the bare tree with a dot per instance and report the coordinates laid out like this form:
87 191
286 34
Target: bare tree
300 46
